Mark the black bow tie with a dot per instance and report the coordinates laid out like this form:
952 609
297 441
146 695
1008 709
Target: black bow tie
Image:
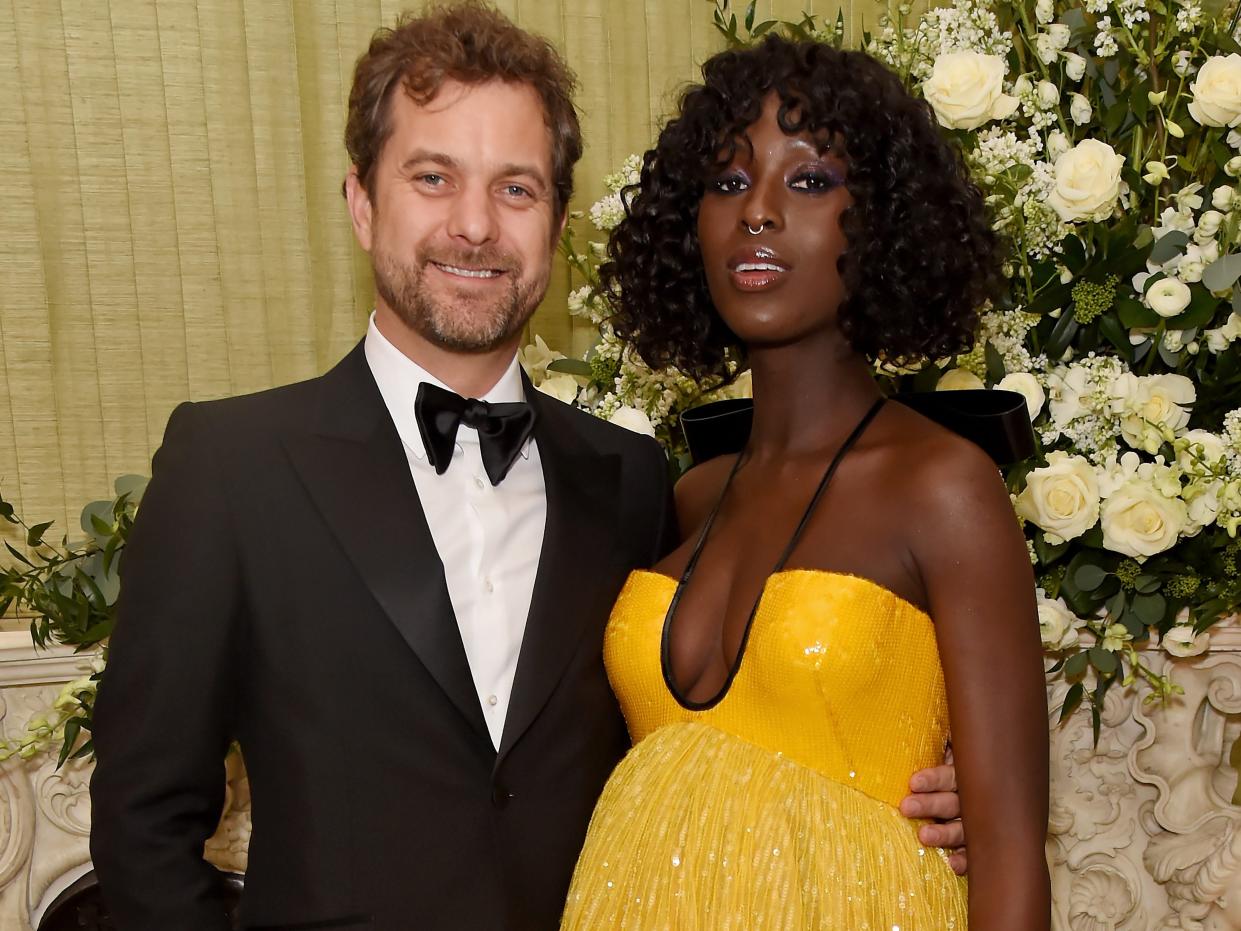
502 428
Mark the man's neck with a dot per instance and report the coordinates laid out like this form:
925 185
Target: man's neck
471 375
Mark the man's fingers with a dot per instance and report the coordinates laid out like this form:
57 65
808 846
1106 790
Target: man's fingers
950 835
935 779
957 861
940 806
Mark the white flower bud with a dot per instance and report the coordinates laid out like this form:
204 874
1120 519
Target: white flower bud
1209 222
1232 167
1022 85
1057 144
1044 10
1048 94
1059 34
1223 197
1079 109
1074 66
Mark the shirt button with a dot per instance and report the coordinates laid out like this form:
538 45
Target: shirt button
478 483
488 586
492 700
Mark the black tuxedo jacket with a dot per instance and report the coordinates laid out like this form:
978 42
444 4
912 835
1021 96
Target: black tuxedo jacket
281 588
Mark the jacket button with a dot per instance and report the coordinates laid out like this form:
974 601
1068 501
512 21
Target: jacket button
500 796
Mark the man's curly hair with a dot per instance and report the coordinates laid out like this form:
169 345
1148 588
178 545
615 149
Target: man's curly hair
921 256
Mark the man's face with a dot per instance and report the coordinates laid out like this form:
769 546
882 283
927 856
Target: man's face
460 223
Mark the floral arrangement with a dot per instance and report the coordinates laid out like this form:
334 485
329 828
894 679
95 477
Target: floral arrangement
71 590
1102 133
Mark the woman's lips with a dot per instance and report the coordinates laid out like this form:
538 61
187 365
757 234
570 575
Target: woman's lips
757 276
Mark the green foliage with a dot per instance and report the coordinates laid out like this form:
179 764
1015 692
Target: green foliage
69 591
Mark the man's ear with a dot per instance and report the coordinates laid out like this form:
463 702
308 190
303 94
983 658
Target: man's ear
361 211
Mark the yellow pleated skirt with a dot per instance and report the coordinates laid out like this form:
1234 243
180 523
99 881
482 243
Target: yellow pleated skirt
699 830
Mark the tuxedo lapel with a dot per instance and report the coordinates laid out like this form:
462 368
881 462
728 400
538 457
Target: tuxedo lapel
582 490
355 468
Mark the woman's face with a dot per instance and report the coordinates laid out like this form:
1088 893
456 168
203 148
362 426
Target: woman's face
769 229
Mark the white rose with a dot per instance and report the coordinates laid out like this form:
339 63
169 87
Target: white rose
1182 641
1086 181
1062 498
1152 408
632 419
966 89
1057 145
1223 197
561 386
1044 10
1059 34
1139 522
1168 297
1079 109
1028 387
1074 66
1048 93
1057 625
1217 91
958 380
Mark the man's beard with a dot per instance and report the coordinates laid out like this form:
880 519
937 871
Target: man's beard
459 323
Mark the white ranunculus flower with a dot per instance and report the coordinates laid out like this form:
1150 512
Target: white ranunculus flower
958 380
1152 408
1223 197
1044 10
1168 297
561 386
632 419
1079 109
1140 522
1057 144
1028 387
1059 34
1086 181
966 89
1061 498
1048 94
1057 625
1217 91
1182 641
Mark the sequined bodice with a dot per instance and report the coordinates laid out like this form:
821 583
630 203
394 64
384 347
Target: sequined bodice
838 674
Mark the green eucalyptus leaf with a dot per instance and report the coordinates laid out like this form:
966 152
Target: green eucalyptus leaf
1168 246
1145 237
97 519
1150 609
1115 606
1089 576
131 485
1221 273
1102 660
1146 584
1075 666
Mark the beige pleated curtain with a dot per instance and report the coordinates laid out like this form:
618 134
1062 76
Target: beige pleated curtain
171 224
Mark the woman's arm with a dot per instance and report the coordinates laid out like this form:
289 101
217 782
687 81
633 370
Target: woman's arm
974 563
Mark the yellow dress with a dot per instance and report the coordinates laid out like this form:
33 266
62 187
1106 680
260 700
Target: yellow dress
775 806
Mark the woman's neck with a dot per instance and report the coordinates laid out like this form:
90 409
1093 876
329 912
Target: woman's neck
808 395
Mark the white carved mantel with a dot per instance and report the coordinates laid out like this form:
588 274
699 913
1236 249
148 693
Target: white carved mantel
1143 835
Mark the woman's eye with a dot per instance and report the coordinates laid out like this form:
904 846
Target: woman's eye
729 184
813 181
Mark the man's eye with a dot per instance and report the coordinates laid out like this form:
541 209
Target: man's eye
516 190
431 179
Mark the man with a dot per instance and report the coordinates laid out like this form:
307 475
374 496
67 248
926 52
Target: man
392 597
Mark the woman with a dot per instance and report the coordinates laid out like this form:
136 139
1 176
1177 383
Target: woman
855 578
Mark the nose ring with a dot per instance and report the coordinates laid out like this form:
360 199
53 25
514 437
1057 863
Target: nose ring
752 231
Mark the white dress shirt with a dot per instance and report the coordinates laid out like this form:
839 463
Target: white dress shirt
488 537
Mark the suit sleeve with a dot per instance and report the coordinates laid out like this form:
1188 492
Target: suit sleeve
165 706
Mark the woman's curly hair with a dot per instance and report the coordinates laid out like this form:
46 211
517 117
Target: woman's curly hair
921 256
